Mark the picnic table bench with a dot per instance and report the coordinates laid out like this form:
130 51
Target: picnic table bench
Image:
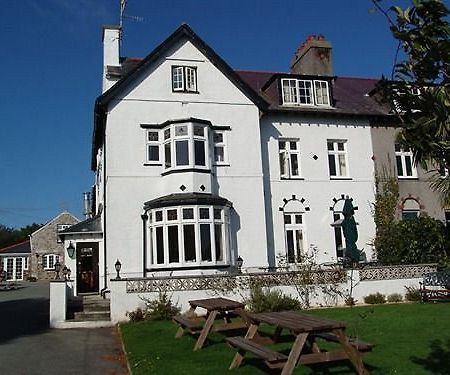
435 286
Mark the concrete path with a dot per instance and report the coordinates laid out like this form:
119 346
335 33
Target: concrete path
28 346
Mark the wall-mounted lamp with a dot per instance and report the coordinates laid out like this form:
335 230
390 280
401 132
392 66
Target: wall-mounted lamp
71 250
57 270
239 263
118 267
65 271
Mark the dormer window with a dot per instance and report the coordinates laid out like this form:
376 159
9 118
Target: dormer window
184 79
305 92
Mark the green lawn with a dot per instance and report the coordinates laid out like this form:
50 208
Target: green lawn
408 339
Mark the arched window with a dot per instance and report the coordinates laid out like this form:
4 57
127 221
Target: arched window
410 209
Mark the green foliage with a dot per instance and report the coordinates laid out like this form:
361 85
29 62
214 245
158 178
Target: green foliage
423 33
161 308
263 299
423 240
412 294
10 236
394 298
375 299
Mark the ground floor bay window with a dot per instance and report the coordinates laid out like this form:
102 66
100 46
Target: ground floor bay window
187 231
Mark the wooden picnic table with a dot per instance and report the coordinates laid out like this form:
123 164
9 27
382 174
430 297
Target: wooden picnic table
216 309
305 349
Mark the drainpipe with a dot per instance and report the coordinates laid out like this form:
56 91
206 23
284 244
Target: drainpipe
144 218
105 288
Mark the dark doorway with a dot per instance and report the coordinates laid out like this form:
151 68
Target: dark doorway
87 267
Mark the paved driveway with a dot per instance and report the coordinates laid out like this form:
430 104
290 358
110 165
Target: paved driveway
28 346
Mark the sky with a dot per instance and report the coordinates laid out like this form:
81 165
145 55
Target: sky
51 65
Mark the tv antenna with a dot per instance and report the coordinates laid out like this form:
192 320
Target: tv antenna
123 16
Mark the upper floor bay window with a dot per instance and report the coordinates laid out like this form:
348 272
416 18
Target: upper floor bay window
404 162
188 236
337 158
305 92
184 79
289 154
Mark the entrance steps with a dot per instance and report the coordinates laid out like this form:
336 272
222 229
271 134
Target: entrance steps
88 311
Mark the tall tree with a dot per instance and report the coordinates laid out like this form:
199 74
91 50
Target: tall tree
419 88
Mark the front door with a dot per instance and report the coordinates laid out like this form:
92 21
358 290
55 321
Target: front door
87 267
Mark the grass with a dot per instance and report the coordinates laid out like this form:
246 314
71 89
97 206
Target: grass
408 339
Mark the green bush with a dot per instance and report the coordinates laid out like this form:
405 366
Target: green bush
423 240
262 300
395 298
412 294
375 299
31 279
161 308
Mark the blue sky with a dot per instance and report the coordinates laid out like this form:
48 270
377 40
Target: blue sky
51 65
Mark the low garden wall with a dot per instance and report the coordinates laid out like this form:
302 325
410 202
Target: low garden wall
312 288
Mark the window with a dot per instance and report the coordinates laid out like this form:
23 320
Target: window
293 228
49 261
289 154
152 146
447 218
25 263
184 79
220 156
338 218
410 209
188 236
59 228
305 92
337 158
404 162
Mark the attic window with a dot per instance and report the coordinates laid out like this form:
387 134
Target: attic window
184 79
305 92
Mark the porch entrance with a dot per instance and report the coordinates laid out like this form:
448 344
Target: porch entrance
87 267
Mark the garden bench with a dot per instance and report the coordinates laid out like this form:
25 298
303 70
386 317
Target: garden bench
435 286
194 325
360 346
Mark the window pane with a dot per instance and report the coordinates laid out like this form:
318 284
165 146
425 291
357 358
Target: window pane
205 241
283 164
219 154
305 92
167 155
172 214
340 146
182 152
289 91
294 164
290 246
188 213
166 134
172 234
298 219
158 216
199 147
281 145
204 213
330 146
408 165
332 165
398 160
159 245
218 137
199 130
218 242
191 84
293 145
181 130
299 244
217 214
287 219
189 242
177 78
153 136
342 165
153 153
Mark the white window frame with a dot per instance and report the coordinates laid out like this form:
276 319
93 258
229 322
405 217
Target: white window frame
338 158
174 140
214 254
46 261
286 158
293 226
222 145
152 143
305 92
184 79
403 160
25 263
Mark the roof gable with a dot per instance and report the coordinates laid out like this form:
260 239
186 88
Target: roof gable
18 248
56 220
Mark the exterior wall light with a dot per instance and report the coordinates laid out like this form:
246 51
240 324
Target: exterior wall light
118 267
239 263
57 270
71 250
65 270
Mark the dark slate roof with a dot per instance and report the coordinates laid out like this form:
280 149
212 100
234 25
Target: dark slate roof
19 248
187 199
92 225
351 96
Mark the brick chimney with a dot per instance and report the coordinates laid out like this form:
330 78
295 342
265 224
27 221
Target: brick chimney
111 53
313 57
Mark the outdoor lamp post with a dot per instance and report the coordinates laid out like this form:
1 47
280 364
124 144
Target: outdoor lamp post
68 273
71 250
57 269
64 271
239 263
118 266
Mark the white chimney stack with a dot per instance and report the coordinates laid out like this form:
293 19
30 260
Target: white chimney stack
111 55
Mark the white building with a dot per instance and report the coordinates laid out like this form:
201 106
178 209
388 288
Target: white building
198 164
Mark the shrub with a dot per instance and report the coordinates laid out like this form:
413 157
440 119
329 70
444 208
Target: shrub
31 279
270 300
395 298
161 308
350 301
412 294
375 299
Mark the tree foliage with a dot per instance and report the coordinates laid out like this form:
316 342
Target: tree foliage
419 88
10 236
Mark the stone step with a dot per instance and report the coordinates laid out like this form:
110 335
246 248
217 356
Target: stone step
91 315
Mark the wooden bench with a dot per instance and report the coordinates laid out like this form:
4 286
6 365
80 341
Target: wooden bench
271 357
361 346
193 325
435 286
